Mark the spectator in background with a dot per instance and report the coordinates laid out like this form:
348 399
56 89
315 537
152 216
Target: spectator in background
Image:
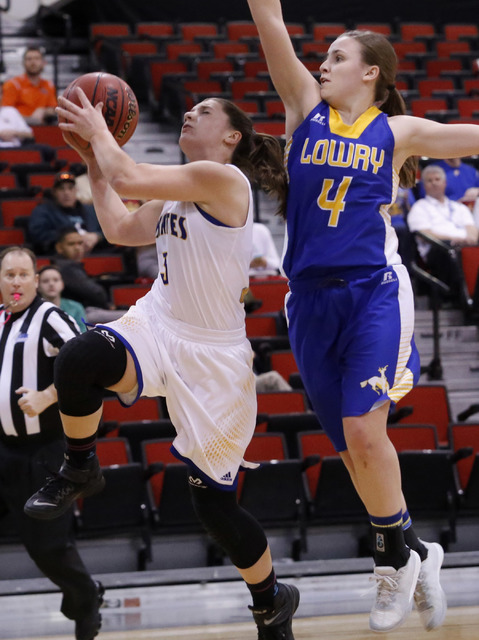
462 179
63 210
443 219
266 260
14 129
51 286
33 96
147 261
80 286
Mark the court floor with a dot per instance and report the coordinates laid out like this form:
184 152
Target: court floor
332 607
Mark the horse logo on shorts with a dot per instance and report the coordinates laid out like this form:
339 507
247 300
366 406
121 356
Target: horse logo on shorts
380 383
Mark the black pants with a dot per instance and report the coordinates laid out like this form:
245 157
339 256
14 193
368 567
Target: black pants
50 543
446 269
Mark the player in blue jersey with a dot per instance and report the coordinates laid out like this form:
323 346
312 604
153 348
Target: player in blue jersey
351 308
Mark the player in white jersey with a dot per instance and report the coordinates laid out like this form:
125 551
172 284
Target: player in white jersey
186 338
351 143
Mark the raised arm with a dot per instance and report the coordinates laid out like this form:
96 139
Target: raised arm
422 137
295 85
217 188
121 226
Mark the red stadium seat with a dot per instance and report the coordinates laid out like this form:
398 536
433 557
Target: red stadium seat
284 363
281 402
112 451
10 209
430 405
271 291
143 409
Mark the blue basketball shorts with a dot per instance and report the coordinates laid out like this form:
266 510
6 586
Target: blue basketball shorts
354 344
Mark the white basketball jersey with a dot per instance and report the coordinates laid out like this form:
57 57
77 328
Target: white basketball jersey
203 267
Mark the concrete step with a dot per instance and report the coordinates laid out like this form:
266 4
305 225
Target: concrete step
466 349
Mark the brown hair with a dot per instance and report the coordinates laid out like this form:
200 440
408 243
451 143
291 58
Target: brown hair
378 51
259 155
15 249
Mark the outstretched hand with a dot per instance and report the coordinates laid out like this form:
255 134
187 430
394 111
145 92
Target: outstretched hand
85 120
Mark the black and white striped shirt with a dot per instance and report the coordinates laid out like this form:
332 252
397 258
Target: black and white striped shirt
29 343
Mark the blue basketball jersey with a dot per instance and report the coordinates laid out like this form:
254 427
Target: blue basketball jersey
342 183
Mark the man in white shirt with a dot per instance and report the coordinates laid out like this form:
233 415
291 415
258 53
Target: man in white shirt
265 260
443 219
13 127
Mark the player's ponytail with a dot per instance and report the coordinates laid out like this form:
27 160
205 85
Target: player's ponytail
259 155
378 51
267 168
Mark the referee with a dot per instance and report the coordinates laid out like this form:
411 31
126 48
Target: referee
32 331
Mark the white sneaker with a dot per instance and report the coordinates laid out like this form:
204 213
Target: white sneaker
429 596
394 597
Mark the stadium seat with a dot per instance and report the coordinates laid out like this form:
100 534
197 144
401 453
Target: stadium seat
112 451
138 431
168 488
11 236
189 32
447 49
470 269
461 31
49 134
271 291
261 324
431 490
422 106
121 507
430 404
143 409
281 402
204 68
176 49
110 29
69 155
464 435
284 363
410 437
236 30
154 29
16 156
328 30
275 494
124 296
377 27
241 87
96 265
8 181
429 86
417 30
10 209
222 50
266 446
291 425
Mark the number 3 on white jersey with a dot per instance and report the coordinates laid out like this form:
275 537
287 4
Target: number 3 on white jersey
164 273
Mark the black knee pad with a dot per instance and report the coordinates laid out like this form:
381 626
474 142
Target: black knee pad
234 529
84 367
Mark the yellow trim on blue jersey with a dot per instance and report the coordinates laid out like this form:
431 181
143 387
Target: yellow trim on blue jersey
389 526
338 127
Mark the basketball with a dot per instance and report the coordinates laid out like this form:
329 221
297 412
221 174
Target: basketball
120 106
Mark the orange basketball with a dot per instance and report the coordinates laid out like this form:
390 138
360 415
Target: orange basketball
120 106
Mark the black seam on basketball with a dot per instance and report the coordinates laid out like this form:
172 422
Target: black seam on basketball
119 123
